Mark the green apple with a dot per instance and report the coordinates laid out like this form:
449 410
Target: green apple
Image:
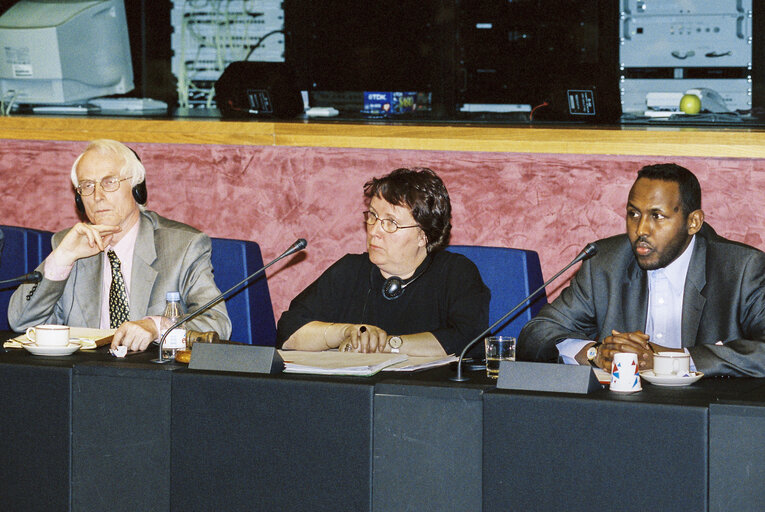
690 104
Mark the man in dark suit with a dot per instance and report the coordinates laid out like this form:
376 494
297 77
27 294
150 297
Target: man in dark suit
669 284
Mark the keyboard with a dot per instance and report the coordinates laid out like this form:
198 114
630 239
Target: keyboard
129 104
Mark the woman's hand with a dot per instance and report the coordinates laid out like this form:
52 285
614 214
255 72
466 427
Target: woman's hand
317 336
367 338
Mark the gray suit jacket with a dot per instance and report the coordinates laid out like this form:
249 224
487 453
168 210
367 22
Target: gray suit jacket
724 300
168 256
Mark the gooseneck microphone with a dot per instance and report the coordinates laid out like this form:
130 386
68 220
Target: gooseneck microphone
299 245
32 277
588 252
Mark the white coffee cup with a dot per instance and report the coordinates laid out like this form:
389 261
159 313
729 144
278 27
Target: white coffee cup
624 373
48 335
671 364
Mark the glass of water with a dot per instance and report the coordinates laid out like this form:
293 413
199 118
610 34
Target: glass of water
498 348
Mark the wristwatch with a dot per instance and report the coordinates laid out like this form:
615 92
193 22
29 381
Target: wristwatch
395 343
592 353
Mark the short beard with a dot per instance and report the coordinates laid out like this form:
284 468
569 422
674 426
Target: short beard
670 254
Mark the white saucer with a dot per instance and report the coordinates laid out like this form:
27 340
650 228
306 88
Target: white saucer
670 380
73 347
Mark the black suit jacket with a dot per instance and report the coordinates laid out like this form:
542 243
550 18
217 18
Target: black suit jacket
724 300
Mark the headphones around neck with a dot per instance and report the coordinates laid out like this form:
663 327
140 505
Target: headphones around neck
394 286
140 194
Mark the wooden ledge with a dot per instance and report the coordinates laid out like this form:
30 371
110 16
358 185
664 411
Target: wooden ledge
630 140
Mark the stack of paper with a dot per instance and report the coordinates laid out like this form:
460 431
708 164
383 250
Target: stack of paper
332 362
337 363
421 363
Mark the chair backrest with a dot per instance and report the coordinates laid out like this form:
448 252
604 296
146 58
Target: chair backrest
22 252
511 275
250 308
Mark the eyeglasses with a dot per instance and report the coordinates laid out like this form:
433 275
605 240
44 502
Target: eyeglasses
388 225
108 184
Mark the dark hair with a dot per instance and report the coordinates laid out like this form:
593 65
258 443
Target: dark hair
690 190
422 191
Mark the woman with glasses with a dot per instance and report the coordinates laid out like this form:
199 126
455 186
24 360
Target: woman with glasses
405 294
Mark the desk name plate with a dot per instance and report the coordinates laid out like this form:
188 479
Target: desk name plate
235 357
558 378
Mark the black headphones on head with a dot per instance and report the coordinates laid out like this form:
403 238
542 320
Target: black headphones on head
140 194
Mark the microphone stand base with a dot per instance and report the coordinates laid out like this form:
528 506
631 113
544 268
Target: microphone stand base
161 361
458 378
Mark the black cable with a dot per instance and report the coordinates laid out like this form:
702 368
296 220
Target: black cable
260 41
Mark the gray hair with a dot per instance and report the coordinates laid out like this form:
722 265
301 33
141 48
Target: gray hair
132 166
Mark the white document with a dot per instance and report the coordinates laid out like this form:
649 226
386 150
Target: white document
332 362
421 363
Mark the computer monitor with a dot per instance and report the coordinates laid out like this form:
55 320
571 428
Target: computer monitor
58 51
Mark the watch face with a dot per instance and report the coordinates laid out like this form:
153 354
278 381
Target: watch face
395 342
592 353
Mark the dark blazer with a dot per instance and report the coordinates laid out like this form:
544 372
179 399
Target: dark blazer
168 256
724 301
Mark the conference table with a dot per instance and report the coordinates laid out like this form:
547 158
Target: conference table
92 432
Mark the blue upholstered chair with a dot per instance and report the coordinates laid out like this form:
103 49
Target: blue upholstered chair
511 275
23 250
250 309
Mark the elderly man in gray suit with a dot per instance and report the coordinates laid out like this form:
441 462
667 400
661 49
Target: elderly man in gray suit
669 284
114 271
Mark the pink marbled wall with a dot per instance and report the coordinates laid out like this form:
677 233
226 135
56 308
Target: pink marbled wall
553 204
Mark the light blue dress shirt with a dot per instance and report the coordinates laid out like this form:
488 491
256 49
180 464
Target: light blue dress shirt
665 307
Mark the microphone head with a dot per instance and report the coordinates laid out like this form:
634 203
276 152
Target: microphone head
299 245
35 277
590 250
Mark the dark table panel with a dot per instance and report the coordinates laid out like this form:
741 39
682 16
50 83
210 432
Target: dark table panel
246 442
121 435
35 446
736 457
737 452
552 452
427 448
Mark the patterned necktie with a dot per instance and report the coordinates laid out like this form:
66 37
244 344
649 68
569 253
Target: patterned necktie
119 308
